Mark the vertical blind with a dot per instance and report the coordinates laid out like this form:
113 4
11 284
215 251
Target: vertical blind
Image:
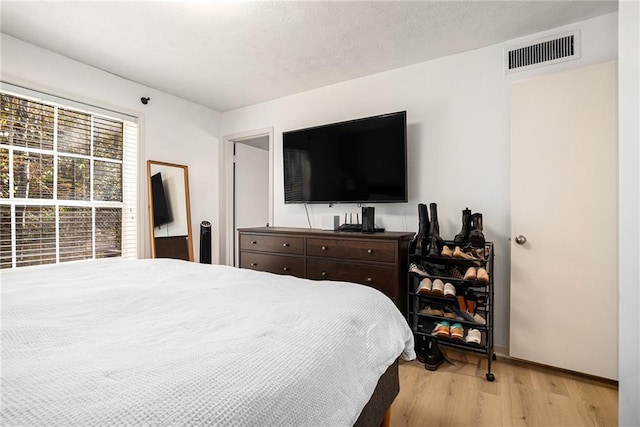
68 180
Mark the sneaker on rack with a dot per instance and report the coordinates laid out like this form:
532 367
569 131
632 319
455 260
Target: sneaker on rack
451 313
463 254
438 288
456 331
428 311
446 252
479 253
449 290
477 318
441 329
464 315
471 274
459 253
418 269
483 276
473 336
425 286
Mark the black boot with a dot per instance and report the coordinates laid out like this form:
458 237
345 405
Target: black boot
414 242
435 357
463 236
421 244
435 241
476 236
421 348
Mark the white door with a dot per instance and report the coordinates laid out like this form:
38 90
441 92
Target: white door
251 185
563 201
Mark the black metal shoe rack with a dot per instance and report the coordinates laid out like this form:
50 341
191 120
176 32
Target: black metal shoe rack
445 269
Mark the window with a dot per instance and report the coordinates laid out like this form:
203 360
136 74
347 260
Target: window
67 183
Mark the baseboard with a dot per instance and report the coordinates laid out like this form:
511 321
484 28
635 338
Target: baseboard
503 353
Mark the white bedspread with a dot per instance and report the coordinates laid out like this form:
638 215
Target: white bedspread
166 342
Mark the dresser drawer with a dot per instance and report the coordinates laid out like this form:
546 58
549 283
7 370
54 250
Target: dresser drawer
280 264
377 260
379 277
279 244
360 250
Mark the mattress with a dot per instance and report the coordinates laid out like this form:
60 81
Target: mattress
169 342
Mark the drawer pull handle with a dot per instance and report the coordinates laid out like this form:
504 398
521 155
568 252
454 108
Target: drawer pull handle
324 248
369 280
285 245
369 251
253 242
254 264
285 268
324 273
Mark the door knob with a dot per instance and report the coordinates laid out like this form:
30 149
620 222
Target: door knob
521 240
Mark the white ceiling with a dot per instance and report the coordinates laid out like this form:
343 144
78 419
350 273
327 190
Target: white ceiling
226 55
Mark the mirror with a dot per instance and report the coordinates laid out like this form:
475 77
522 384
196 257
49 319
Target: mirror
169 210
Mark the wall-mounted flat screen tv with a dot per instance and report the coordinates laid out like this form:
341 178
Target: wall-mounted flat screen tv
356 161
161 213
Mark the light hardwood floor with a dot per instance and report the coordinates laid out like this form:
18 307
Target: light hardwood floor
521 395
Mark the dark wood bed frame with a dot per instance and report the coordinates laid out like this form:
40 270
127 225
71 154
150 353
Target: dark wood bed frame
377 412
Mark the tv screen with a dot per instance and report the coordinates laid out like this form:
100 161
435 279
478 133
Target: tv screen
161 213
356 161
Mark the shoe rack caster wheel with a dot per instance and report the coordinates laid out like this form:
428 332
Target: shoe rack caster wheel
490 377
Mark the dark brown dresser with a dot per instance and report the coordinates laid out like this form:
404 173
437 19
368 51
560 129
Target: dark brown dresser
378 260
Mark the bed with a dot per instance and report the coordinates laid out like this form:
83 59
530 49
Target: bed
169 342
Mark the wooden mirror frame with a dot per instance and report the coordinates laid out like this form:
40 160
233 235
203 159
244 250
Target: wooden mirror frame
189 236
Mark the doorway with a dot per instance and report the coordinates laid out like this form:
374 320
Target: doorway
249 186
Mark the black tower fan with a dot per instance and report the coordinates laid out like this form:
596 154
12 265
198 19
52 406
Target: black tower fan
205 242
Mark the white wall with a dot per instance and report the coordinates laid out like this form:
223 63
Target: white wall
628 214
458 138
171 129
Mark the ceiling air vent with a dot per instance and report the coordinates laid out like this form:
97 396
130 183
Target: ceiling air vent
547 51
